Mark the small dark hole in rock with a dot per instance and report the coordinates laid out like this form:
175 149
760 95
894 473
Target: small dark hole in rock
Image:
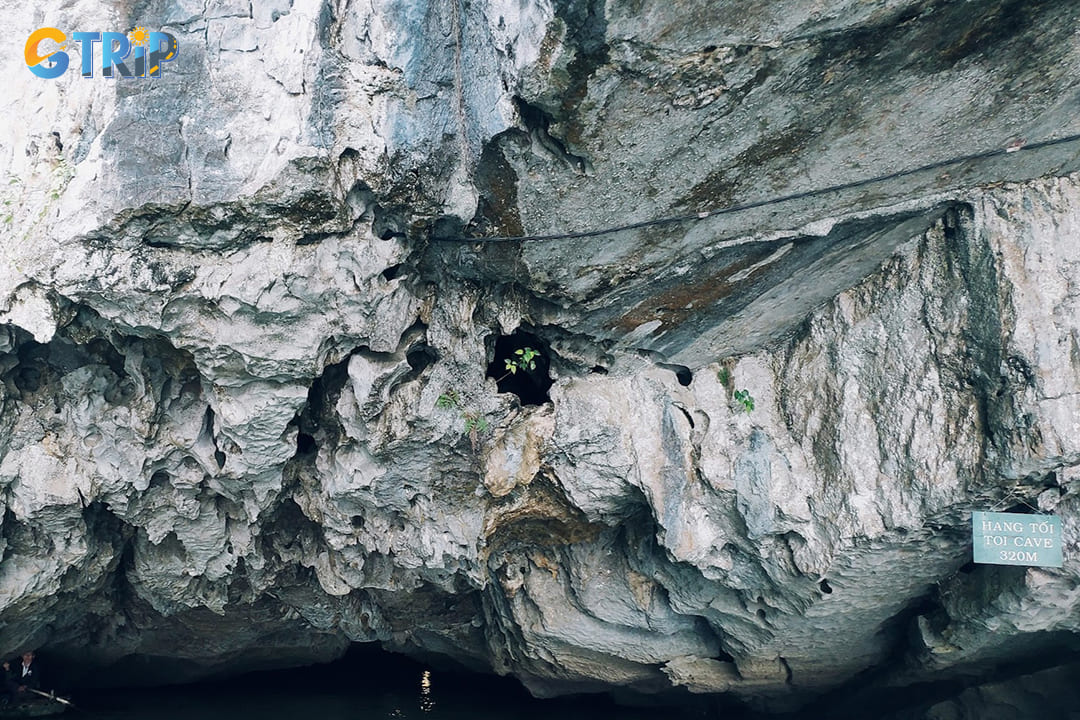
220 457
682 373
523 569
421 357
761 614
391 272
708 49
357 521
599 370
825 587
530 385
312 239
305 444
28 379
387 226
160 477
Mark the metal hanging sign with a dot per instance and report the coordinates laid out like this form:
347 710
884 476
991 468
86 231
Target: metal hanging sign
1016 539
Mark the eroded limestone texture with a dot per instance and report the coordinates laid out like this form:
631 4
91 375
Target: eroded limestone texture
231 300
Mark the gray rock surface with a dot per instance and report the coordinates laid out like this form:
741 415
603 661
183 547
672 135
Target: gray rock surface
231 299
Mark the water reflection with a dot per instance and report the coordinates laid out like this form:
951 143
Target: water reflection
367 686
426 703
455 703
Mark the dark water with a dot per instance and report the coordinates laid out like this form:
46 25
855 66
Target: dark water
274 704
368 689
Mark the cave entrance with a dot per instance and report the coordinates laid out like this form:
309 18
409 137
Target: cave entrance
531 386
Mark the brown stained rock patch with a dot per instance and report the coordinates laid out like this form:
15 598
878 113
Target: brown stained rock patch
553 38
536 516
675 305
718 188
497 209
515 458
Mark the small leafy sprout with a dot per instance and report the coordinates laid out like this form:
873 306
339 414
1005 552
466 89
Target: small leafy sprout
525 360
448 400
743 398
528 355
475 423
723 375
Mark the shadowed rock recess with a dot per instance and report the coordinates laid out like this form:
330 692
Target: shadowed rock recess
231 299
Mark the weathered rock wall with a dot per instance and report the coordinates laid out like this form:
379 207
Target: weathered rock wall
230 305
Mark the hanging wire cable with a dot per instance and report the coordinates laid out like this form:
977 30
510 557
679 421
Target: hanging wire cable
696 217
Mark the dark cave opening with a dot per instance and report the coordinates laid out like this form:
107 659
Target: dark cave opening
530 384
311 421
305 444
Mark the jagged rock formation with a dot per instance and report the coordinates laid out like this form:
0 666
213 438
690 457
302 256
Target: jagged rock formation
232 298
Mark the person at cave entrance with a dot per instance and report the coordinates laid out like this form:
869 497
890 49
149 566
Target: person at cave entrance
21 675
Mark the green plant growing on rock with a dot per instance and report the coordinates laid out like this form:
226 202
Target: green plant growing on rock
60 177
9 195
727 379
743 398
448 400
475 423
525 360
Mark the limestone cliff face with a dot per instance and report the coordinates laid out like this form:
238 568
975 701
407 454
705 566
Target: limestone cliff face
232 297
